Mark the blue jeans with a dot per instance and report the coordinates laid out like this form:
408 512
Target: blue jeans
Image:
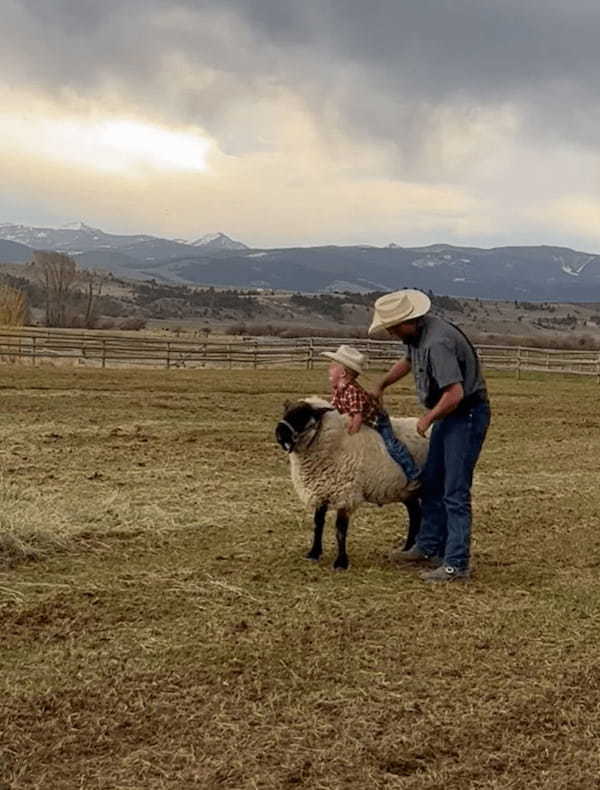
454 448
398 451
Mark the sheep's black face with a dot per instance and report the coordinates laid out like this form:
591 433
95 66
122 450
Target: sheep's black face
285 437
297 419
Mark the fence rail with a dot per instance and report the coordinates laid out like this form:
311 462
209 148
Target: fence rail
98 349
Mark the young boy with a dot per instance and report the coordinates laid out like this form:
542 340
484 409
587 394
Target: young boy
348 397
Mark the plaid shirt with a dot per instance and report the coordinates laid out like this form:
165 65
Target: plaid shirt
351 398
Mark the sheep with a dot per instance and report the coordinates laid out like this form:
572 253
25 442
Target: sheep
331 468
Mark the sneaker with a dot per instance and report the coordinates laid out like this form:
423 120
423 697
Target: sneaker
445 573
414 554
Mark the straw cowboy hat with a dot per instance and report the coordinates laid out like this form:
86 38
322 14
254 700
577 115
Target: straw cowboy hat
396 307
348 356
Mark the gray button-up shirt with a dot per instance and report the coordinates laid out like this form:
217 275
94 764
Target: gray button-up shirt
440 356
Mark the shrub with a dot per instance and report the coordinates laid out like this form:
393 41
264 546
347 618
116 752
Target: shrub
132 323
104 323
269 330
323 304
14 308
195 300
237 329
558 341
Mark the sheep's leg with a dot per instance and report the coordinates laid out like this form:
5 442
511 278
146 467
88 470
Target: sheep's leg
413 506
341 530
317 546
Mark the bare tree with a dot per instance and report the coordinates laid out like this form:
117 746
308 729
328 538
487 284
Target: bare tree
92 282
58 275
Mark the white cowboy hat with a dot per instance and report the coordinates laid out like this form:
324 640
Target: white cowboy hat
394 308
348 356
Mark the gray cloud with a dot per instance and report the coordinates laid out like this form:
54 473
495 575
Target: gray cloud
393 75
541 55
376 63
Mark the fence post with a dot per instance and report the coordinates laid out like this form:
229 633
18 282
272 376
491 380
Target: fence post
33 350
255 358
310 361
103 352
229 360
168 355
598 369
518 362
204 355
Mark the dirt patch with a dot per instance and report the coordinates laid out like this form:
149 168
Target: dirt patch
175 637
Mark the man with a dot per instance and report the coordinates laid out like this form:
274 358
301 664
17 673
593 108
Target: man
451 386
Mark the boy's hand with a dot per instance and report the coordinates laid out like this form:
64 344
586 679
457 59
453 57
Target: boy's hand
354 423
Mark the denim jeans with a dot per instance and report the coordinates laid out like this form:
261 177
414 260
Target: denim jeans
398 451
454 448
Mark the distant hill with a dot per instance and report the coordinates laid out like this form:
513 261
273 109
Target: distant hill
117 263
13 252
129 303
513 273
502 273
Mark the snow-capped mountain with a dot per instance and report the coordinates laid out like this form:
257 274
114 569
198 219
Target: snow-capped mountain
520 273
218 241
72 238
77 237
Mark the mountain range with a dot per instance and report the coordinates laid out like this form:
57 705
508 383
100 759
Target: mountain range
527 272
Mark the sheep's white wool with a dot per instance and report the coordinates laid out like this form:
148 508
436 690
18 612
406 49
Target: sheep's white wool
346 470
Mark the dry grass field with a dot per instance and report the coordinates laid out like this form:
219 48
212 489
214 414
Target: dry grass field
160 629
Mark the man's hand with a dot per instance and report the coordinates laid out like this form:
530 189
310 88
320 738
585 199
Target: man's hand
424 424
451 397
378 394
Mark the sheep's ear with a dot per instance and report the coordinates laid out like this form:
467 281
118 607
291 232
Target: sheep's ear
287 405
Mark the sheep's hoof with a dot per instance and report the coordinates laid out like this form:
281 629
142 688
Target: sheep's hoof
341 564
312 556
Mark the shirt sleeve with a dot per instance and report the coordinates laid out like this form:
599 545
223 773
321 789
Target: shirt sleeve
444 366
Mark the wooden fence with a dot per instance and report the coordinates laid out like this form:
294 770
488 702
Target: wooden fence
101 349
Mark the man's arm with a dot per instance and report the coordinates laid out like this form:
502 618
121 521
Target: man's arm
451 397
394 374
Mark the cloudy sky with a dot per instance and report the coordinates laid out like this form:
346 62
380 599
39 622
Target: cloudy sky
287 122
